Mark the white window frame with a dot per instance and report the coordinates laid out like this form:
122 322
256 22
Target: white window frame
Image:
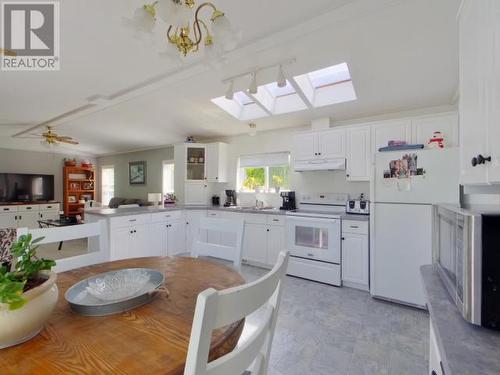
167 162
102 183
267 188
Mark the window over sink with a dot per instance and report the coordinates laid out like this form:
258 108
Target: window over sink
264 173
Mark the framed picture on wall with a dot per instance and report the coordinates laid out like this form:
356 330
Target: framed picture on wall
137 172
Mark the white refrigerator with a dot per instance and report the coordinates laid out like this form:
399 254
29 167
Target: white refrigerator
402 219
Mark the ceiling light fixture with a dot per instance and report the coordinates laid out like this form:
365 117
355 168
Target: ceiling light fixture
281 80
185 34
230 91
253 130
253 84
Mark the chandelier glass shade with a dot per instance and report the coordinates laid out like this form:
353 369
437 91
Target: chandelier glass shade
187 30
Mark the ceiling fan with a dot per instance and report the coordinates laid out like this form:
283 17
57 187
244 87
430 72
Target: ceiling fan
51 138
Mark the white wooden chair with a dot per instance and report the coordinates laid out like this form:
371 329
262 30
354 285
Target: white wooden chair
215 309
98 251
229 252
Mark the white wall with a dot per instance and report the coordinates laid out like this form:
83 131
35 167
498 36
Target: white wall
281 140
18 161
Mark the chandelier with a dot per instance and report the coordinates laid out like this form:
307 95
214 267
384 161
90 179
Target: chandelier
187 31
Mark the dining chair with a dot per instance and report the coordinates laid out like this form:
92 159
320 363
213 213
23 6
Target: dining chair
215 309
232 252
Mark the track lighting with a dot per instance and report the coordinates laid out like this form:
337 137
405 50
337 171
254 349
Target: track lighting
253 130
253 84
230 91
281 80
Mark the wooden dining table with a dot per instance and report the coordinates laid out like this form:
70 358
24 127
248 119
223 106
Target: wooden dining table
151 339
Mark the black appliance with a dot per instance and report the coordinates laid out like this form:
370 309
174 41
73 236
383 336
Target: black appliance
288 201
215 200
16 187
230 198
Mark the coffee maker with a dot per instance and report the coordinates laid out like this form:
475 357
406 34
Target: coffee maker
230 198
288 201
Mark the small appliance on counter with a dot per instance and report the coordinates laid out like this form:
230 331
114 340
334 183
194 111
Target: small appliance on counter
358 206
288 201
230 198
216 201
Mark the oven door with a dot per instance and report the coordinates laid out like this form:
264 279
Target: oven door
314 238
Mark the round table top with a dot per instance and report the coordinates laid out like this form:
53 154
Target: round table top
151 339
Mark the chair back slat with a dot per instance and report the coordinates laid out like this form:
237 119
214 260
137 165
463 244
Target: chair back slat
218 308
232 252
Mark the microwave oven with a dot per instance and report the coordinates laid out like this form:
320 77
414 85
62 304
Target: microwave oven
467 254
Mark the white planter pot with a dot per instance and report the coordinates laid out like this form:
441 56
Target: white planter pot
20 325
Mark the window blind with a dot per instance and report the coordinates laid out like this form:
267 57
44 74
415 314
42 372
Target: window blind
274 159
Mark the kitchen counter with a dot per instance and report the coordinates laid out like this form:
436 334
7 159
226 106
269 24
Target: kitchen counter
27 203
465 348
117 212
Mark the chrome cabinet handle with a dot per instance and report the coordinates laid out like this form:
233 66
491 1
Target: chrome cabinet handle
354 226
132 220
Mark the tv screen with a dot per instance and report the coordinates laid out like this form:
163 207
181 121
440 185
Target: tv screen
16 187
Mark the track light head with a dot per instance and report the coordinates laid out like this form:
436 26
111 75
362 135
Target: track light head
253 84
281 80
230 91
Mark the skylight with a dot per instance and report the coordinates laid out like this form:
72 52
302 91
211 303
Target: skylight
319 88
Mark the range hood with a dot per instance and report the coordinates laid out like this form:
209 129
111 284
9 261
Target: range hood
337 164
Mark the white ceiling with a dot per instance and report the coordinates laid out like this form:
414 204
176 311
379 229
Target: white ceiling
402 55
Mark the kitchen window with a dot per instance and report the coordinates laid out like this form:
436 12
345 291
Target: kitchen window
264 173
107 183
168 177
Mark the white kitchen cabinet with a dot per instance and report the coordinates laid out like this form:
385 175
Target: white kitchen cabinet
358 154
355 254
158 240
331 144
479 42
305 146
28 219
435 361
383 132
176 239
217 162
424 127
196 193
275 243
255 244
8 220
193 227
129 242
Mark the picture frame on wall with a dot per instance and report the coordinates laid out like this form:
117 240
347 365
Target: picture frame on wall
137 172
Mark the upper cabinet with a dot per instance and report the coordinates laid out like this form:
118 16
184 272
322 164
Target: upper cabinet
324 144
479 40
386 131
424 127
217 162
358 154
305 146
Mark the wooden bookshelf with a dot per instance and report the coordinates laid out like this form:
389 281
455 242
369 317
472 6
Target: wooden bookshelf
79 183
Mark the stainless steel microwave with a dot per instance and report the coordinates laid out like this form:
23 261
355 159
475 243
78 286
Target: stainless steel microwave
467 253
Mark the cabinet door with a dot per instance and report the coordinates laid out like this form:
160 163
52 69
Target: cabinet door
473 128
384 132
49 215
424 128
121 239
157 240
331 144
305 146
196 193
28 220
275 244
196 162
8 220
217 162
358 154
138 247
355 258
176 238
193 227
255 243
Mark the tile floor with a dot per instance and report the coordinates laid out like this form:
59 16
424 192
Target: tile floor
324 330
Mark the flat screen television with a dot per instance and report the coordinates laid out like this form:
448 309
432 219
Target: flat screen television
15 187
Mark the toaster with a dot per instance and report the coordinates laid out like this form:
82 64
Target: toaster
358 206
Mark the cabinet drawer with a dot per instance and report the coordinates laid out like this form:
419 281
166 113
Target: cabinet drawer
216 214
352 226
128 221
255 219
50 207
166 216
276 220
8 209
30 208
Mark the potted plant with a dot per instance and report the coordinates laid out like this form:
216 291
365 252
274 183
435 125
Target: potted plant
28 293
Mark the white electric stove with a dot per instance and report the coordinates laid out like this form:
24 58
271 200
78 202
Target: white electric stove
314 237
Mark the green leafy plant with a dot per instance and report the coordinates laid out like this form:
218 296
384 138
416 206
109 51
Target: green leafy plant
25 272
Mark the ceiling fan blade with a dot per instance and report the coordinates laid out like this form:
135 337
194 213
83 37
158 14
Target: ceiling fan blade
71 142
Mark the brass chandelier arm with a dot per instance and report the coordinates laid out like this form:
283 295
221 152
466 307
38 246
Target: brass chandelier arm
197 19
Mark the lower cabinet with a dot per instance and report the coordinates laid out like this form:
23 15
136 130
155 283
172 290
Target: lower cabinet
28 220
129 242
192 226
27 216
435 362
167 238
8 220
355 254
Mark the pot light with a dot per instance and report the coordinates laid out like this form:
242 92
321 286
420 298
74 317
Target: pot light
230 91
253 84
281 80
